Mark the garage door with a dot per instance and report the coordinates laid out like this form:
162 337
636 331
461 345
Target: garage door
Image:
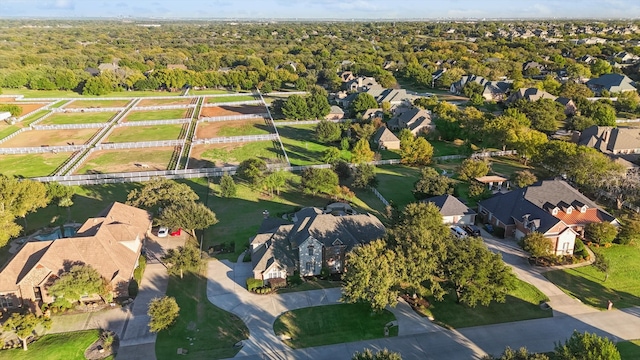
519 234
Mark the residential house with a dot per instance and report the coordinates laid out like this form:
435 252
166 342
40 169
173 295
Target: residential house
492 90
415 119
108 67
551 207
533 67
610 140
586 59
454 211
570 107
370 114
92 71
346 76
110 243
336 113
317 238
394 97
362 83
613 83
456 87
385 139
625 57
530 94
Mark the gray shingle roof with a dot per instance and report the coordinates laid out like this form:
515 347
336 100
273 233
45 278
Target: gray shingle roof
450 205
383 134
613 83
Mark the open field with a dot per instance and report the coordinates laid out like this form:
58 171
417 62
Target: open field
31 165
395 183
587 283
209 92
207 130
221 99
88 104
159 102
301 146
33 117
63 346
78 118
146 133
227 110
227 154
167 114
111 161
34 94
26 108
332 324
34 138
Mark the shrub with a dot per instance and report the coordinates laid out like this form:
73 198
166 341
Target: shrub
498 232
294 279
602 233
253 283
580 251
276 283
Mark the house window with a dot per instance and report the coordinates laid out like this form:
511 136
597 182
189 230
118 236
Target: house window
583 209
310 249
309 266
6 301
554 211
37 293
569 210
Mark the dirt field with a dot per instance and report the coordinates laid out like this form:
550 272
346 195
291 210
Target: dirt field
111 161
35 138
207 130
232 110
87 104
159 102
26 108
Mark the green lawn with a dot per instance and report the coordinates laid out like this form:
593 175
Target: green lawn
209 92
215 330
33 117
521 304
220 99
145 133
301 146
395 183
630 350
234 153
332 324
586 283
71 94
444 148
31 165
78 118
125 160
507 166
98 103
64 346
167 114
239 128
58 104
6 130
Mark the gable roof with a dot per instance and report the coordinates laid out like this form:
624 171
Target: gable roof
384 135
610 139
275 249
613 83
530 94
450 205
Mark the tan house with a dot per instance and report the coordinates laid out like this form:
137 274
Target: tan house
336 113
386 139
110 243
453 211
415 119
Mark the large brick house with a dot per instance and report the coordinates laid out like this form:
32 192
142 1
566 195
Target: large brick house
551 207
110 243
317 238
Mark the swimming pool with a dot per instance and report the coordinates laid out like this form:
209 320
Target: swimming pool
69 231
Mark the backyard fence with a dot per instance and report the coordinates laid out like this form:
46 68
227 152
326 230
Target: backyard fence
305 122
378 195
73 163
153 122
69 126
41 149
235 139
138 145
620 121
234 117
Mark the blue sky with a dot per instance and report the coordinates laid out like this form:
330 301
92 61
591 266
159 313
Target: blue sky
309 9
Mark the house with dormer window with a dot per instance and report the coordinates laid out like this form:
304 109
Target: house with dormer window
551 207
317 238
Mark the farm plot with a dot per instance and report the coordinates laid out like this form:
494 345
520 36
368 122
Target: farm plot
227 110
167 114
31 165
90 104
207 130
214 155
78 118
26 108
221 99
35 138
113 161
301 146
160 102
145 133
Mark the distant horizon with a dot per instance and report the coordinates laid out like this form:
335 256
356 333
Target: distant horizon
321 10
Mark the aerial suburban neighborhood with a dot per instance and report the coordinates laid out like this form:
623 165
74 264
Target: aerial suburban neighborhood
320 180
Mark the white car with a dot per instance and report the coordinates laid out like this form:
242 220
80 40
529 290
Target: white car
163 231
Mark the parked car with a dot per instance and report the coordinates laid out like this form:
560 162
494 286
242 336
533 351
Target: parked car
472 230
457 232
489 228
163 231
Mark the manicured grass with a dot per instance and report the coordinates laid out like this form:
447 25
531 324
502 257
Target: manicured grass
444 148
167 114
395 183
98 103
586 283
629 350
301 146
507 166
214 330
311 285
78 118
63 346
521 304
124 160
239 128
332 324
220 99
388 154
71 94
145 133
232 154
31 165
6 130
33 117
209 92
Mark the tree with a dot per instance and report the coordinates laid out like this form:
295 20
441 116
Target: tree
62 194
228 187
332 155
363 102
623 186
15 110
523 178
182 258
586 346
415 151
537 244
364 176
472 88
160 192
163 312
527 142
544 114
275 181
473 168
17 199
24 326
580 122
295 107
520 354
629 230
602 264
476 274
601 232
80 280
189 215
364 131
252 170
383 354
318 105
371 276
362 152
328 131
316 181
98 85
432 184
600 67
478 191
601 112
574 90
